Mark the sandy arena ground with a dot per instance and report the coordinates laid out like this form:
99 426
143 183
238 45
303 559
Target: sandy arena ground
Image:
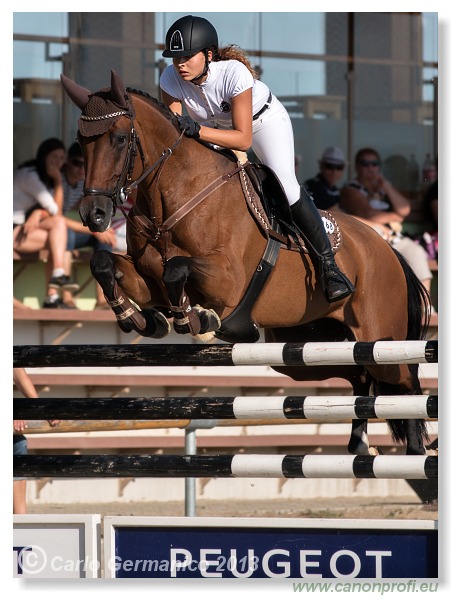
343 508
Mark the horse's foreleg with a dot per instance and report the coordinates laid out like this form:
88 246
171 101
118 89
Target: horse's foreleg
359 442
108 269
187 318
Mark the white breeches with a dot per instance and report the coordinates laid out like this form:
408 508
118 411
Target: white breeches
273 144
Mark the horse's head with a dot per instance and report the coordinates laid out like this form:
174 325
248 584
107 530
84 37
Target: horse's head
108 139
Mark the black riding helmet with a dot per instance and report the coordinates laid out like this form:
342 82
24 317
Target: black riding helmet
189 35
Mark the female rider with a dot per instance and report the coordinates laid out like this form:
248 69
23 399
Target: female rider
229 107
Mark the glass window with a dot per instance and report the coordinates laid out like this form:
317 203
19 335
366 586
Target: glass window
41 23
384 94
38 59
39 46
430 54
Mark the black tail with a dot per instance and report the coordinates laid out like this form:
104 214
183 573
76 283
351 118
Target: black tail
418 302
419 315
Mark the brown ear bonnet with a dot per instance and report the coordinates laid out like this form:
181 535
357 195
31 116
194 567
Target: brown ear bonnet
100 110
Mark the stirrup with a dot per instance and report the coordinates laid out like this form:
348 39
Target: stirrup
331 275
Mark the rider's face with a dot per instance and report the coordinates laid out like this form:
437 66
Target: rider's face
191 66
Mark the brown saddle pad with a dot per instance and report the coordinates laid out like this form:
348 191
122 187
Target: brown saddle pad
267 203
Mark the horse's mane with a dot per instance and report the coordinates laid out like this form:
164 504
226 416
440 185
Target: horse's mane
162 108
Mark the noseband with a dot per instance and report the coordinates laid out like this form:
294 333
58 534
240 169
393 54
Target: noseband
123 187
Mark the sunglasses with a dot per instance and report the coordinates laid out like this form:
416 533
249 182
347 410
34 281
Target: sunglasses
369 163
77 163
332 167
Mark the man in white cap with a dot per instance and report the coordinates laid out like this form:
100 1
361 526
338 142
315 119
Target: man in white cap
323 187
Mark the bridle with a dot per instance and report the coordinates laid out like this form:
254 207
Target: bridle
123 187
158 233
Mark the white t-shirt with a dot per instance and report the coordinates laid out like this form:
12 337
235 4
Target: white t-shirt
28 191
210 102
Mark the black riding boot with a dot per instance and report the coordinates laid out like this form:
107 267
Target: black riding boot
306 217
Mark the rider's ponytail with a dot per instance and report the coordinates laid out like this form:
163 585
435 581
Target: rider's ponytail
234 52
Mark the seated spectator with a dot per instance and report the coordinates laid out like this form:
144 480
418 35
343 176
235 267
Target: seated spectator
376 202
73 174
323 187
37 215
24 385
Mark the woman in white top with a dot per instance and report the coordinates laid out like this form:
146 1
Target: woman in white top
228 106
37 214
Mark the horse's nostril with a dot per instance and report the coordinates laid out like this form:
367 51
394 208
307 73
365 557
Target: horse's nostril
97 219
98 215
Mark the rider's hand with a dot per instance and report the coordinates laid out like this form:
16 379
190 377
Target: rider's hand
190 127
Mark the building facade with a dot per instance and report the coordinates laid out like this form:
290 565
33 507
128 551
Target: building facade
347 79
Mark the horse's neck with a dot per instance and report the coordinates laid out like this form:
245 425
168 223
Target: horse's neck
189 168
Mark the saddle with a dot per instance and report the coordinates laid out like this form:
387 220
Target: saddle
268 205
275 210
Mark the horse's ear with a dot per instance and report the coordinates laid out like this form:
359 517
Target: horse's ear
118 92
78 94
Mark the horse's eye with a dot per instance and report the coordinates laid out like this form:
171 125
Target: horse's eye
121 139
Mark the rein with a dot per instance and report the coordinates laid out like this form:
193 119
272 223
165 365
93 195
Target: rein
159 234
197 199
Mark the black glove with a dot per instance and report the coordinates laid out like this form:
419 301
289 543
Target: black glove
190 127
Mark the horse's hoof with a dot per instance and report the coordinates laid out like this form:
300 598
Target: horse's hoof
373 451
125 326
157 326
359 446
209 320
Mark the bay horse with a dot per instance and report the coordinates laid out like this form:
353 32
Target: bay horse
194 245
